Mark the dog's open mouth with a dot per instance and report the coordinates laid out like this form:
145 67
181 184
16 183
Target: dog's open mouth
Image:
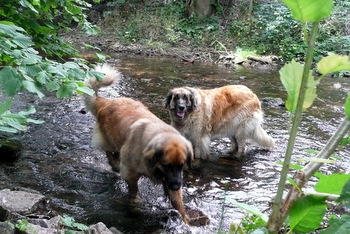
180 114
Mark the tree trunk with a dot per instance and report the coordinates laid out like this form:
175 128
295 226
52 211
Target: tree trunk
200 8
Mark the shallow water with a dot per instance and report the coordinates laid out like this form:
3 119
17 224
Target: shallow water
59 161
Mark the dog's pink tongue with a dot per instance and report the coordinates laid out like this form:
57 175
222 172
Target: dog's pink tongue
180 114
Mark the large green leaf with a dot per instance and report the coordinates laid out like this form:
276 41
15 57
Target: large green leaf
291 76
307 213
345 195
338 226
333 63
333 183
33 88
11 81
310 10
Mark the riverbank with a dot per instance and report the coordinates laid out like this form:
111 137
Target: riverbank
107 43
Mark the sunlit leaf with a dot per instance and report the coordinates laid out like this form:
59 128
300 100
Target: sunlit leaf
344 197
332 184
307 213
338 226
333 63
291 77
310 10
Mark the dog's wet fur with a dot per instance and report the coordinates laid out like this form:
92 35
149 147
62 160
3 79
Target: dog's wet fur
232 111
136 142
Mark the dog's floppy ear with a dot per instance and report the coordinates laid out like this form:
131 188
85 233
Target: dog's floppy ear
157 154
194 101
169 101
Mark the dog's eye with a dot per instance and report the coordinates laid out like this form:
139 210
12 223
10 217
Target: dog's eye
177 96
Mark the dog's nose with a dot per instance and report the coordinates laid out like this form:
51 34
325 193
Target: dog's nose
181 108
175 185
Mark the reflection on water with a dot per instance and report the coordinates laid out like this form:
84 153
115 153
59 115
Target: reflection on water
59 161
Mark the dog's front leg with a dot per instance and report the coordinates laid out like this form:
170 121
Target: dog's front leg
131 178
113 160
176 201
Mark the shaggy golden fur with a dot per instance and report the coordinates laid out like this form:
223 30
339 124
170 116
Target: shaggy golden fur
231 111
137 143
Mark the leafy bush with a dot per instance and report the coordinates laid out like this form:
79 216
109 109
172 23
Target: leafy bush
272 30
43 21
30 27
162 23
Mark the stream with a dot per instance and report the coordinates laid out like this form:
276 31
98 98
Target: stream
59 161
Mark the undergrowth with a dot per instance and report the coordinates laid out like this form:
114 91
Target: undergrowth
269 29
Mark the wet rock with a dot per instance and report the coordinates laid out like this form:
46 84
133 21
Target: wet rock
7 228
10 150
100 228
20 201
197 217
24 205
272 102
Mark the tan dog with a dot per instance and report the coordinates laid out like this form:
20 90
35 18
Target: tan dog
231 111
137 142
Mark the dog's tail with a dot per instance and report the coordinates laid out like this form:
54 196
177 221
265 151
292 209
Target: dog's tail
112 76
259 135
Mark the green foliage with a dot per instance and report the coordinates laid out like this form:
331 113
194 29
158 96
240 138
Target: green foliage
23 226
291 77
202 30
42 20
273 30
309 10
69 223
307 213
332 184
344 197
12 123
338 225
164 23
24 68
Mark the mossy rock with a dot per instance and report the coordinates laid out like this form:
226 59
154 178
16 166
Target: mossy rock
10 150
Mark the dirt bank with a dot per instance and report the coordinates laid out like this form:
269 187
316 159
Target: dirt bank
106 42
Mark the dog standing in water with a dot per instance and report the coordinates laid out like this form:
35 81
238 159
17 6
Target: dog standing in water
231 111
136 142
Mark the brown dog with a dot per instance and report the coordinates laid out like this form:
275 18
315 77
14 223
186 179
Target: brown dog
137 142
231 111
